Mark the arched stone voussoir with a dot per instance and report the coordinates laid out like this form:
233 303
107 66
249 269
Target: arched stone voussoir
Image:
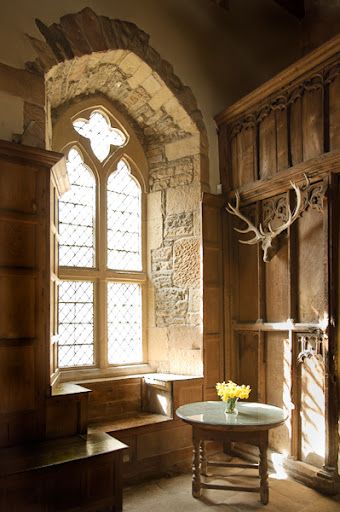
86 34
125 79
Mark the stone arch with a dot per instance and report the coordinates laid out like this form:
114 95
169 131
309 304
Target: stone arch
85 33
86 55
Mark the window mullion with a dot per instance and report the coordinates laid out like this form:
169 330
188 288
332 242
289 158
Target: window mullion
101 309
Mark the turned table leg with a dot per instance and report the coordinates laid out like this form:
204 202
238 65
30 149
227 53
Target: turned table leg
203 459
263 470
196 476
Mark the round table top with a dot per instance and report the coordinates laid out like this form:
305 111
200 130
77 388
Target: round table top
251 415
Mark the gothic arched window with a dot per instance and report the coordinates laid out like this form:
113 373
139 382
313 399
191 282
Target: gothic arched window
101 253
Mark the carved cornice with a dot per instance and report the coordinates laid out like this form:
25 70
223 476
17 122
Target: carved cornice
316 168
289 78
286 98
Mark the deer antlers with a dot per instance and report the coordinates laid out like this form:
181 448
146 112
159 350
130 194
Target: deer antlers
268 238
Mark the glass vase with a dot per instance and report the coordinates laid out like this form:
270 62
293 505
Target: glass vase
231 406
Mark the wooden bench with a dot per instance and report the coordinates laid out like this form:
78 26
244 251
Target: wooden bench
78 473
139 411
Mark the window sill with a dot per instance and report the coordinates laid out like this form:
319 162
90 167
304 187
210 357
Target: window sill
83 375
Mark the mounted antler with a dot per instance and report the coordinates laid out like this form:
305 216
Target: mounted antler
267 238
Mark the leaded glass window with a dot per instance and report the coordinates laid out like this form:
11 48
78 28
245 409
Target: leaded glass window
124 323
100 251
123 220
75 324
76 215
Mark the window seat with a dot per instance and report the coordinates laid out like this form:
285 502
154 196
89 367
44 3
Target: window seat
139 419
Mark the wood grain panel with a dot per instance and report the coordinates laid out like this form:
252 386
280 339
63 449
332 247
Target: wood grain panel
213 361
334 113
212 264
18 189
276 276
245 155
234 163
62 418
187 391
312 123
295 138
247 361
211 223
312 413
282 139
17 243
278 384
268 164
311 298
114 398
213 310
17 301
17 378
160 442
246 273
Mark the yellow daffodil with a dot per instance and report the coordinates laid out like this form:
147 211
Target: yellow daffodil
229 390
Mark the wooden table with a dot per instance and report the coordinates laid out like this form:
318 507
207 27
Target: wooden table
251 425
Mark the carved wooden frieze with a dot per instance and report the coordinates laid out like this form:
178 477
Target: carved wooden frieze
285 98
311 344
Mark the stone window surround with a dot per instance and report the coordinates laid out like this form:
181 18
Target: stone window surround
64 138
166 120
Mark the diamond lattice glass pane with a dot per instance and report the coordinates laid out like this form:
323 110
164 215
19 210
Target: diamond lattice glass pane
123 220
75 347
124 323
100 133
76 215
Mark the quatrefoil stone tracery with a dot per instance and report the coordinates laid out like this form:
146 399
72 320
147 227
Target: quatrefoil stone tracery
100 133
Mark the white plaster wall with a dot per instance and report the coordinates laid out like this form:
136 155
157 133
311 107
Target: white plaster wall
220 55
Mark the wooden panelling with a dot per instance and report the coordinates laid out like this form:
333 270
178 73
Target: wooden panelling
234 163
17 301
311 293
62 418
312 123
334 114
313 442
247 344
17 242
296 147
213 312
114 398
160 442
296 116
245 273
212 222
278 384
187 391
282 139
267 148
17 378
18 189
246 155
247 270
213 363
213 263
276 277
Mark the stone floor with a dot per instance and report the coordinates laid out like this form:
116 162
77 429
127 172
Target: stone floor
173 494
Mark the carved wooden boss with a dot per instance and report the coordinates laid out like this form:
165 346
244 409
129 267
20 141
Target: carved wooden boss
267 237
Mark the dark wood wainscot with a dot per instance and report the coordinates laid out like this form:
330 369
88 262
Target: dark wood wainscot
45 463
